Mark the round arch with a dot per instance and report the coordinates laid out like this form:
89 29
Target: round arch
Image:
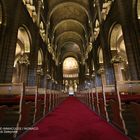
2 13
23 43
22 50
117 44
25 38
68 32
67 3
70 67
138 9
100 55
69 20
118 52
70 54
40 57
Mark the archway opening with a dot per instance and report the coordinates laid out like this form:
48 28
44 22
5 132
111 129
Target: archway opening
20 68
0 14
118 51
70 74
138 9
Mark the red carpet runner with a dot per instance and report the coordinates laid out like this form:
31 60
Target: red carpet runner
72 120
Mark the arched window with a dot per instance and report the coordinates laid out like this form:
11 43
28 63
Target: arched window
24 38
40 71
40 57
117 44
96 29
106 8
21 55
101 61
138 9
23 43
118 50
0 14
42 3
42 31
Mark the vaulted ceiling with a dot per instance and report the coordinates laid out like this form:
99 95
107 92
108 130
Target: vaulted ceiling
69 28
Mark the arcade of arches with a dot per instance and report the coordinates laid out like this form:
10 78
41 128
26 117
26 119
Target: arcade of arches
74 46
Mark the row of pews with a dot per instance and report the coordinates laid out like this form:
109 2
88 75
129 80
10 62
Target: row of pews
22 106
119 104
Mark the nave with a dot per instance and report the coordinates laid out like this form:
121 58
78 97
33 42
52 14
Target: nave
50 49
73 120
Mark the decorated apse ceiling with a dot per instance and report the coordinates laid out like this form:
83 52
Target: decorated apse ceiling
69 29
70 67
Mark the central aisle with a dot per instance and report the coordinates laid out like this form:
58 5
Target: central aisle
72 120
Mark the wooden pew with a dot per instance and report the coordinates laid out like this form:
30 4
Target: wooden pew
3 109
12 95
56 98
49 92
127 91
85 97
88 97
31 93
42 93
48 101
107 95
136 111
116 107
79 95
91 100
89 94
117 117
98 91
63 96
94 100
52 99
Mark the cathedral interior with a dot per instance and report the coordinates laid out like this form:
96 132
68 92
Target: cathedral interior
55 52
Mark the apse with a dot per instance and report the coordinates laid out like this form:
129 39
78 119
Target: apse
70 67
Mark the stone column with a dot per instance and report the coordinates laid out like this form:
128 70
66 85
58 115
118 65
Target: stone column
130 37
40 74
102 74
9 39
116 61
32 74
106 51
23 65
